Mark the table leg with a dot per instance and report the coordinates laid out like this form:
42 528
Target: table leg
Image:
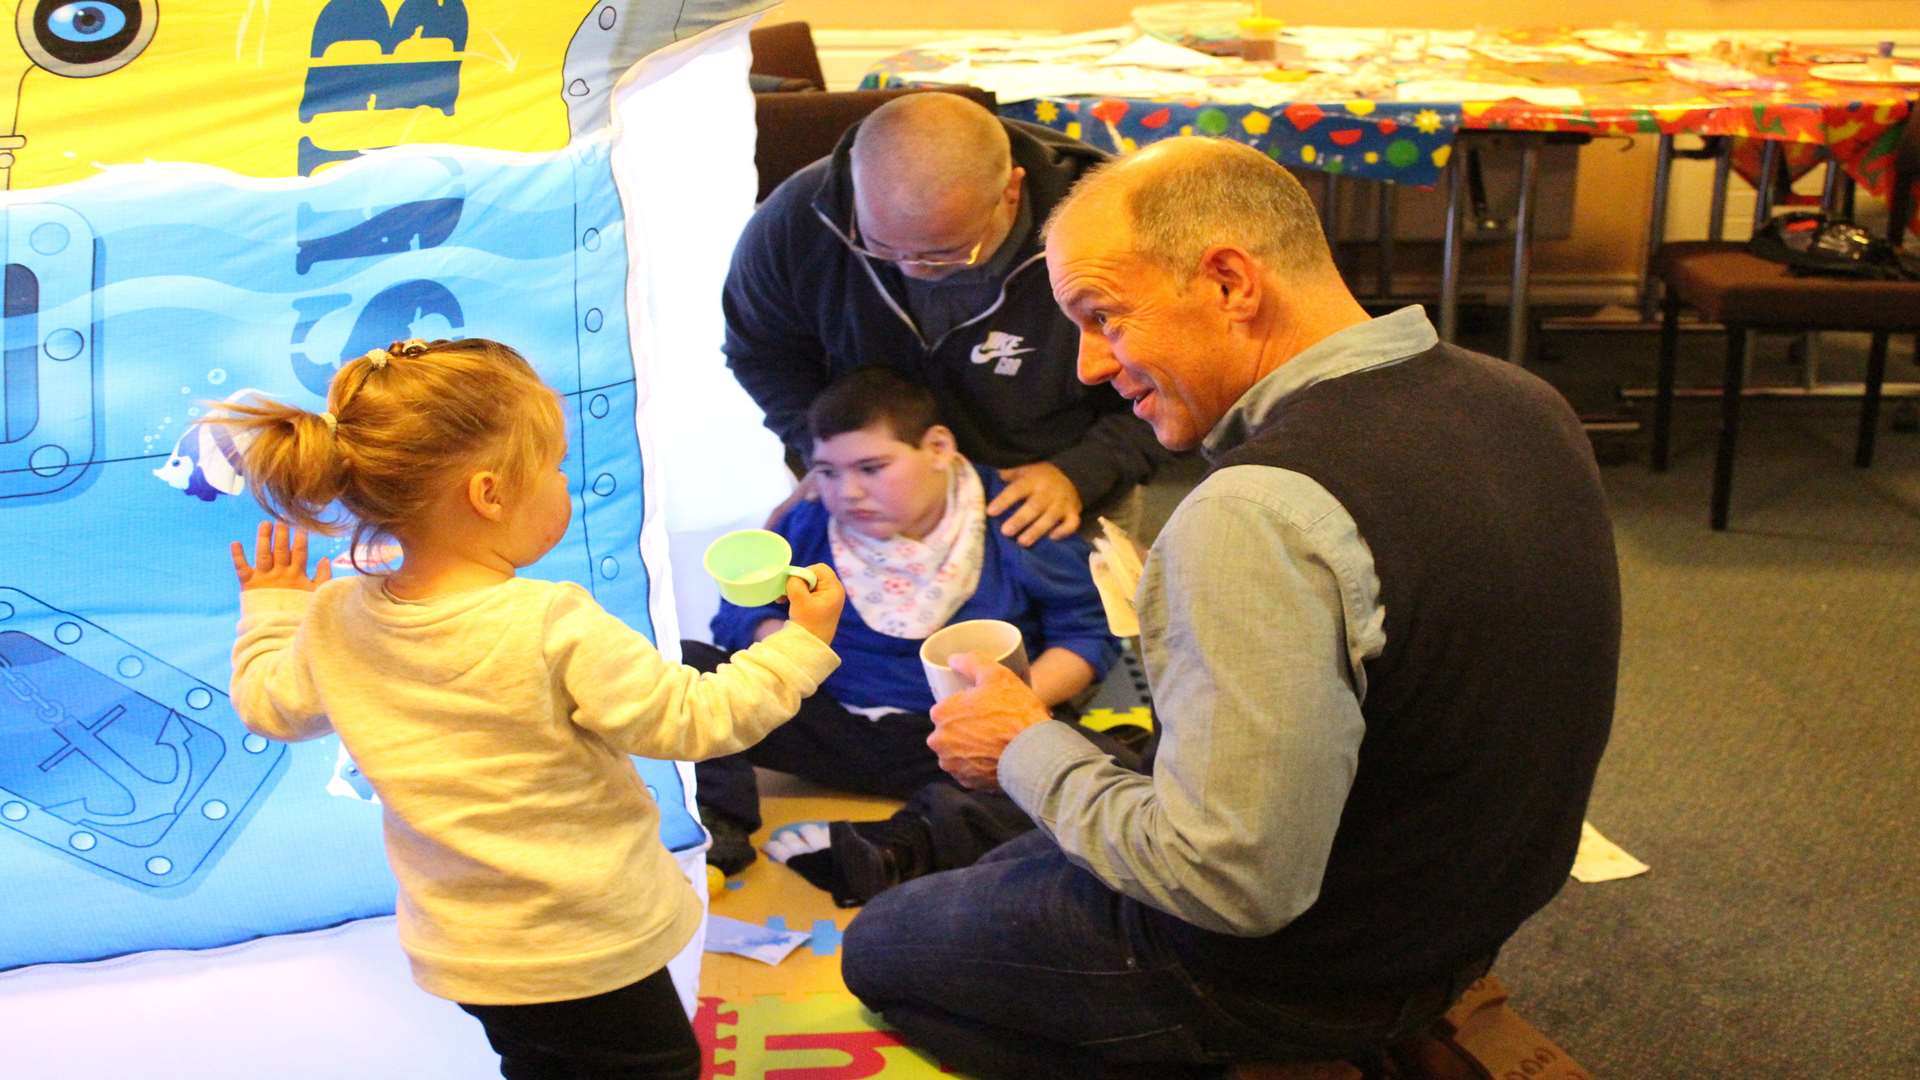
1450 249
1810 359
1830 194
1763 184
1518 309
1722 173
1663 395
1656 224
1836 196
1810 341
1830 189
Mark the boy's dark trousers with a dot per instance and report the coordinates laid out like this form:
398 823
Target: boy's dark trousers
843 750
638 1032
825 743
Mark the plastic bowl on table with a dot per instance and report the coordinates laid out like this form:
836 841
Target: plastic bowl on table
1186 23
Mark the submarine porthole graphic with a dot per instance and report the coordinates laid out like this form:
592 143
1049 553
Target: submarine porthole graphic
81 39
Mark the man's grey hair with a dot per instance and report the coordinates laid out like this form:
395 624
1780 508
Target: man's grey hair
1222 193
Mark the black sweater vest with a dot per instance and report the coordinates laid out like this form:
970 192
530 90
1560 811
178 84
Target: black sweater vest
1476 490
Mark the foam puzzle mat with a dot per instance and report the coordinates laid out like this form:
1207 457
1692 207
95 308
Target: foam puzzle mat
793 1020
808 1037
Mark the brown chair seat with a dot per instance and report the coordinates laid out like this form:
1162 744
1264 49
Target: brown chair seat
1729 285
1674 250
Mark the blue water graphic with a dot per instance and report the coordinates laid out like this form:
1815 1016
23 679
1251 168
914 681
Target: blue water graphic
135 812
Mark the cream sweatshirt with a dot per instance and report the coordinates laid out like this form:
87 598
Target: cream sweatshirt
495 726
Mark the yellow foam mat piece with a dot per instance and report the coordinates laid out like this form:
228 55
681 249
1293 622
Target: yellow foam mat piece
809 1037
767 893
1104 719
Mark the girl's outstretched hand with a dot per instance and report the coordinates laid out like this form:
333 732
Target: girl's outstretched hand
817 609
278 563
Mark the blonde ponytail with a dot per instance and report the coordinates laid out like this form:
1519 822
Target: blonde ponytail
291 461
401 423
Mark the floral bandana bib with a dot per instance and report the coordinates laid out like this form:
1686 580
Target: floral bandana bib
909 588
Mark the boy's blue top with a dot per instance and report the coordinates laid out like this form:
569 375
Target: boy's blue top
1045 590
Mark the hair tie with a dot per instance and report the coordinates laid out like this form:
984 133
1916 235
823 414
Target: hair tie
332 422
377 358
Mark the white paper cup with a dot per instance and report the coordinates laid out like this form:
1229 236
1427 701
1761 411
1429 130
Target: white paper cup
1000 641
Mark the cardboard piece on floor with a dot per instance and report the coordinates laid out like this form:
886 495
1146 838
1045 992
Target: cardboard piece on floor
1481 1037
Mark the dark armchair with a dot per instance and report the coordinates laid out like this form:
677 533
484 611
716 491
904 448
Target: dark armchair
784 53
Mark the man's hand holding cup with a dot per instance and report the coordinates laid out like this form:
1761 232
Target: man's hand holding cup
971 728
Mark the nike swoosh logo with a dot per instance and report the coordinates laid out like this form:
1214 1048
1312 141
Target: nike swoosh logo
981 354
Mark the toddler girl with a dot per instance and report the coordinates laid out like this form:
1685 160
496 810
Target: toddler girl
492 714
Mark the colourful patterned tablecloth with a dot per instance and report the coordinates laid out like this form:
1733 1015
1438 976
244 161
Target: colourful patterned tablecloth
1859 125
1399 141
1409 143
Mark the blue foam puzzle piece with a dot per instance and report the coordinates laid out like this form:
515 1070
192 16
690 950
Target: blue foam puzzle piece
826 938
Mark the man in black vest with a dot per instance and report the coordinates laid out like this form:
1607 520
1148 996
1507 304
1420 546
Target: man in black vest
1382 636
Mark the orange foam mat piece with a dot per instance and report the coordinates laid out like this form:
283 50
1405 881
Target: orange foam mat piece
767 893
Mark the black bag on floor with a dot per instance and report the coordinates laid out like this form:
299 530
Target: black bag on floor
1810 243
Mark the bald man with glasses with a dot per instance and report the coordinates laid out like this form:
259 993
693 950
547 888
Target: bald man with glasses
916 246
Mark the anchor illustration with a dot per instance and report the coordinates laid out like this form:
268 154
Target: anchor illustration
152 797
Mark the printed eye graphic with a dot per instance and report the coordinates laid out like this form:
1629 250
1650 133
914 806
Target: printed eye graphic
85 23
80 39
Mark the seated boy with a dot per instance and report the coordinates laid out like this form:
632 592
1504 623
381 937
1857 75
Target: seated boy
902 519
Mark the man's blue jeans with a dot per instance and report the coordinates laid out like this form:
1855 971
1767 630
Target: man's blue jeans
1025 965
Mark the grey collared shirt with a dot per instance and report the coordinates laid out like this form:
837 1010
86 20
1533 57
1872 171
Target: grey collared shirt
1259 607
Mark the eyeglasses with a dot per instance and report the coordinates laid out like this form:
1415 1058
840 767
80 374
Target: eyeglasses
938 259
935 259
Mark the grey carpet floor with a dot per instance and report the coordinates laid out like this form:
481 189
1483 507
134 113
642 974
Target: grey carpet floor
1765 754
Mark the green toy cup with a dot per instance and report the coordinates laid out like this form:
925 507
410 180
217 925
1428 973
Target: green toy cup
751 567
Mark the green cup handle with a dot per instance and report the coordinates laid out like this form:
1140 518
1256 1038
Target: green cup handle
805 575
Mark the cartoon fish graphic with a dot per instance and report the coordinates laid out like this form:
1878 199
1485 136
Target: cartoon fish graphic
209 461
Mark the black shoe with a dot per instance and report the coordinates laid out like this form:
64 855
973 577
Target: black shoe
732 849
870 857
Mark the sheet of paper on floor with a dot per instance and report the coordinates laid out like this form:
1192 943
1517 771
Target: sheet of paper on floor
1600 859
762 943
